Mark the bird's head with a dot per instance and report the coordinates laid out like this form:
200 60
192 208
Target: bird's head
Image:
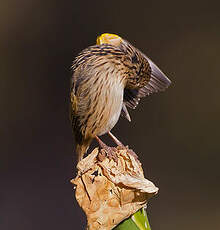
115 40
111 39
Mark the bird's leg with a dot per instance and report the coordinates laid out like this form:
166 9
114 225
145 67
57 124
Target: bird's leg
117 142
101 143
109 151
115 139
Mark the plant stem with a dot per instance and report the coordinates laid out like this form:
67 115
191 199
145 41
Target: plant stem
137 221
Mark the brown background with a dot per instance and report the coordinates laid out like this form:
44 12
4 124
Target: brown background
175 133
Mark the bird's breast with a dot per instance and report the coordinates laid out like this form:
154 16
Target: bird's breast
112 106
107 99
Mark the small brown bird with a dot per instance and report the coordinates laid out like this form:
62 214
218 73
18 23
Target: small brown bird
107 78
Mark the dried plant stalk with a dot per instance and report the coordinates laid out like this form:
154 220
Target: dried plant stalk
110 189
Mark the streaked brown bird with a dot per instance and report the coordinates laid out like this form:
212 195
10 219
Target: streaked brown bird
107 78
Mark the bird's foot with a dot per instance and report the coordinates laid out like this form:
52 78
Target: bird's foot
117 142
109 152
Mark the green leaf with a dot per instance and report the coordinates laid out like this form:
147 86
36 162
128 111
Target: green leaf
127 224
137 221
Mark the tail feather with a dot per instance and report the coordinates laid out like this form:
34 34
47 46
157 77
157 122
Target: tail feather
81 149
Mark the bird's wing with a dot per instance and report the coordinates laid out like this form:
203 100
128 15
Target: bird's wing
158 82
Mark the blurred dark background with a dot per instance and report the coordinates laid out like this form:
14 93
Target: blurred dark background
175 133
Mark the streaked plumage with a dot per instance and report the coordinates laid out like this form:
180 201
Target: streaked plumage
108 78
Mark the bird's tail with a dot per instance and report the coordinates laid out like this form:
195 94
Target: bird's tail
81 149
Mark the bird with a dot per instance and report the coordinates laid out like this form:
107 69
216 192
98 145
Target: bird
107 78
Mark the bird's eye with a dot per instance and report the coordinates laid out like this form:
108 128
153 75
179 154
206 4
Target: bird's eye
134 59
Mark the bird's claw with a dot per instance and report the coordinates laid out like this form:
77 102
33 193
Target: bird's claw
110 153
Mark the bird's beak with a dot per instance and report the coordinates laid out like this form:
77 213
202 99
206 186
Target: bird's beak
111 39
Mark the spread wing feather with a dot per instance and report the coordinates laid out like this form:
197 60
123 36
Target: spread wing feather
158 82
